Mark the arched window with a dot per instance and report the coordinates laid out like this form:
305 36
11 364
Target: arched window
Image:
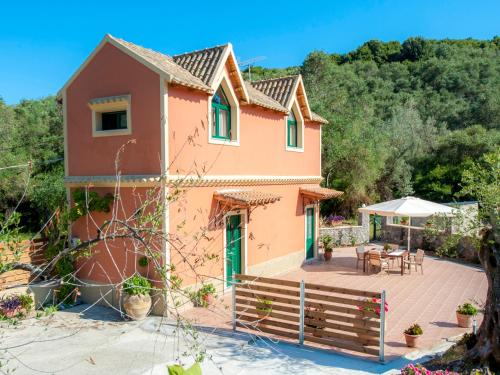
292 130
221 115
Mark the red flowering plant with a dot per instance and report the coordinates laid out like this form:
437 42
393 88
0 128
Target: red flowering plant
375 309
418 369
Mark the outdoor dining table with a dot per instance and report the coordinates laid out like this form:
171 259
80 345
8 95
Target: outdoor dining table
392 255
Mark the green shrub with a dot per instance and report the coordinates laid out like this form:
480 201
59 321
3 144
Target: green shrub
65 294
469 340
327 241
143 261
264 305
179 370
467 309
414 330
27 302
137 285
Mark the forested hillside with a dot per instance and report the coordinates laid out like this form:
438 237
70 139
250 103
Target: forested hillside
405 118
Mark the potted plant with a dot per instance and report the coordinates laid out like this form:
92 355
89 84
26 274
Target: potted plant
412 335
404 221
465 314
264 309
387 248
137 301
314 321
10 306
326 242
205 295
373 309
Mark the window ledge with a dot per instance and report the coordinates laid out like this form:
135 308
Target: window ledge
295 149
107 133
226 142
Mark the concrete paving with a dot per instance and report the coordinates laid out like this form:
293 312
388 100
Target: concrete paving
95 340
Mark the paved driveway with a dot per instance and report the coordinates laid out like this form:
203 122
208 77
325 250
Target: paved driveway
84 341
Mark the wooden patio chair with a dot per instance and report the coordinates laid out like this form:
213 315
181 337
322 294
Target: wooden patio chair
375 260
416 260
360 255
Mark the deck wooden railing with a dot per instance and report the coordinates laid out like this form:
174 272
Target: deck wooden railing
334 317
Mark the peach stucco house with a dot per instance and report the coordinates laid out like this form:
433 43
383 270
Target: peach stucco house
249 149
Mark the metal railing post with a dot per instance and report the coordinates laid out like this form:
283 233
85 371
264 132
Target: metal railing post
382 326
233 297
301 315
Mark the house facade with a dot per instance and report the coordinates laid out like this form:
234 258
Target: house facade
247 156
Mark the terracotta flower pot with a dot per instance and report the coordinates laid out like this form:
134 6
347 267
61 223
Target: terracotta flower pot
464 321
327 255
10 313
137 307
262 316
412 340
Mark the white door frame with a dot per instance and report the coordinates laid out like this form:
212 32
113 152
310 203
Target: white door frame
243 242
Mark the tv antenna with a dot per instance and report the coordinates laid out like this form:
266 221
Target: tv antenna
249 63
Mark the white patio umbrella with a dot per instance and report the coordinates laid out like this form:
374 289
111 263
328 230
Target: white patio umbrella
408 206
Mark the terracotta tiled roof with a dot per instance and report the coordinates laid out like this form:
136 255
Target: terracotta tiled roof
318 118
319 193
259 98
245 198
203 63
280 89
166 64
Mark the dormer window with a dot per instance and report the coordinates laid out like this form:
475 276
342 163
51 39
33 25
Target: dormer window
221 116
292 131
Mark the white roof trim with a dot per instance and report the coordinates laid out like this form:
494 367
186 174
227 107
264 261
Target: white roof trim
111 40
228 53
293 97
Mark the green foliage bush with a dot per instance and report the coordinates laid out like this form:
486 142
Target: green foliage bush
137 285
414 330
195 369
85 201
467 309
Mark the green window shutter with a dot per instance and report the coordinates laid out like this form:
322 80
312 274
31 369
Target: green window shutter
292 136
226 112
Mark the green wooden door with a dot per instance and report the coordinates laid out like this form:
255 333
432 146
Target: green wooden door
233 247
310 233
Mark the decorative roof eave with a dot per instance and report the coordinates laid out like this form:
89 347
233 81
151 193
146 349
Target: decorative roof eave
319 193
234 72
188 180
317 118
245 198
299 92
106 181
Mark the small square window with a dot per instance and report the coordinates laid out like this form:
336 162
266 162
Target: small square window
114 120
111 116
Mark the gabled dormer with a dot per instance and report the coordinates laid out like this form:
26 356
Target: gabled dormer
290 93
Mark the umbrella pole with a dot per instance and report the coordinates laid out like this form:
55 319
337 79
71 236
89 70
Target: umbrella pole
409 233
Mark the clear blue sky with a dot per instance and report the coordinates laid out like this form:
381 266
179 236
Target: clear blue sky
43 43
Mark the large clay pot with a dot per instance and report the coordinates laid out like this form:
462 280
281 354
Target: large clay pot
464 321
137 307
327 255
412 340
